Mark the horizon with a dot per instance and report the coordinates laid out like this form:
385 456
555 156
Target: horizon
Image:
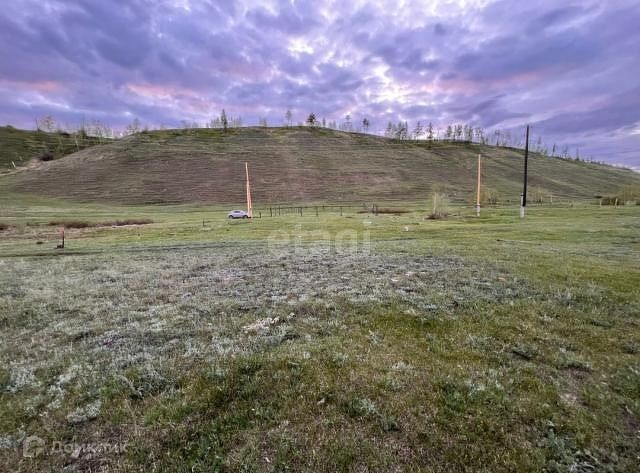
568 71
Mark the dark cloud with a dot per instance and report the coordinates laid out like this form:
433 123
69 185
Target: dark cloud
569 69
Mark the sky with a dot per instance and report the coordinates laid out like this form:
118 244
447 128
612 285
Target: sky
571 69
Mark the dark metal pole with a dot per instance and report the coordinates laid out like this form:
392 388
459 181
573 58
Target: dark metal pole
523 200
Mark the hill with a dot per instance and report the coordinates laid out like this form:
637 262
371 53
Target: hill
301 165
19 147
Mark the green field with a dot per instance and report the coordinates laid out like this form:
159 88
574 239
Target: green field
351 342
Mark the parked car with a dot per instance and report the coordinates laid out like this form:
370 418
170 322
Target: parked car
238 214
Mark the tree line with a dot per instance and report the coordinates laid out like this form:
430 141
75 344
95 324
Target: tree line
400 130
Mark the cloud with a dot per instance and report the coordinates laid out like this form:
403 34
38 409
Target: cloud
568 69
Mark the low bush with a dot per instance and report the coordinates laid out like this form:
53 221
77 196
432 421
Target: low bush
384 210
440 206
46 156
85 224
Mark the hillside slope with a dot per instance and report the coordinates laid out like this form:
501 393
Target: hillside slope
300 165
19 147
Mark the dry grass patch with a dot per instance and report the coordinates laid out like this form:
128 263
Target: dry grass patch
86 224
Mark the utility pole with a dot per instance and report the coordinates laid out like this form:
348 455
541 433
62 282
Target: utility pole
249 205
523 196
478 190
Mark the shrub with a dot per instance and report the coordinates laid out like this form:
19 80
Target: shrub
46 156
384 210
84 224
626 195
440 206
538 195
489 195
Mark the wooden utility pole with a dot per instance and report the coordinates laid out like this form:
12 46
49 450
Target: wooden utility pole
478 190
249 205
523 196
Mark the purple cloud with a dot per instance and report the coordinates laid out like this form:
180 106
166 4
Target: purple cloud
569 70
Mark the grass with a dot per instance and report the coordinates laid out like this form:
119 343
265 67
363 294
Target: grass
292 165
279 344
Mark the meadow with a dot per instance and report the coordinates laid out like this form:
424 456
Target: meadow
353 342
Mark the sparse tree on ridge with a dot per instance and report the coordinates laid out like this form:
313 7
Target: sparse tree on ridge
458 132
418 131
133 127
430 132
448 134
224 122
347 123
390 130
365 124
311 119
262 122
468 133
288 118
538 146
506 138
402 130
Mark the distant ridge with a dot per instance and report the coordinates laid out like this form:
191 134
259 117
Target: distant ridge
302 164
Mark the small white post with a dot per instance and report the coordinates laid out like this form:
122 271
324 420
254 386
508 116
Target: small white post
521 206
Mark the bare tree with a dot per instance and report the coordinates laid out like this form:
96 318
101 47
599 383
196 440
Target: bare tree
311 119
430 132
365 124
224 121
133 127
418 131
263 122
402 130
288 118
347 123
390 131
458 132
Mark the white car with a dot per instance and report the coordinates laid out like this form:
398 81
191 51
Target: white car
238 214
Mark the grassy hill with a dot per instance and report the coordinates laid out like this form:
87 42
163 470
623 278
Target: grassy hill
19 147
301 165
